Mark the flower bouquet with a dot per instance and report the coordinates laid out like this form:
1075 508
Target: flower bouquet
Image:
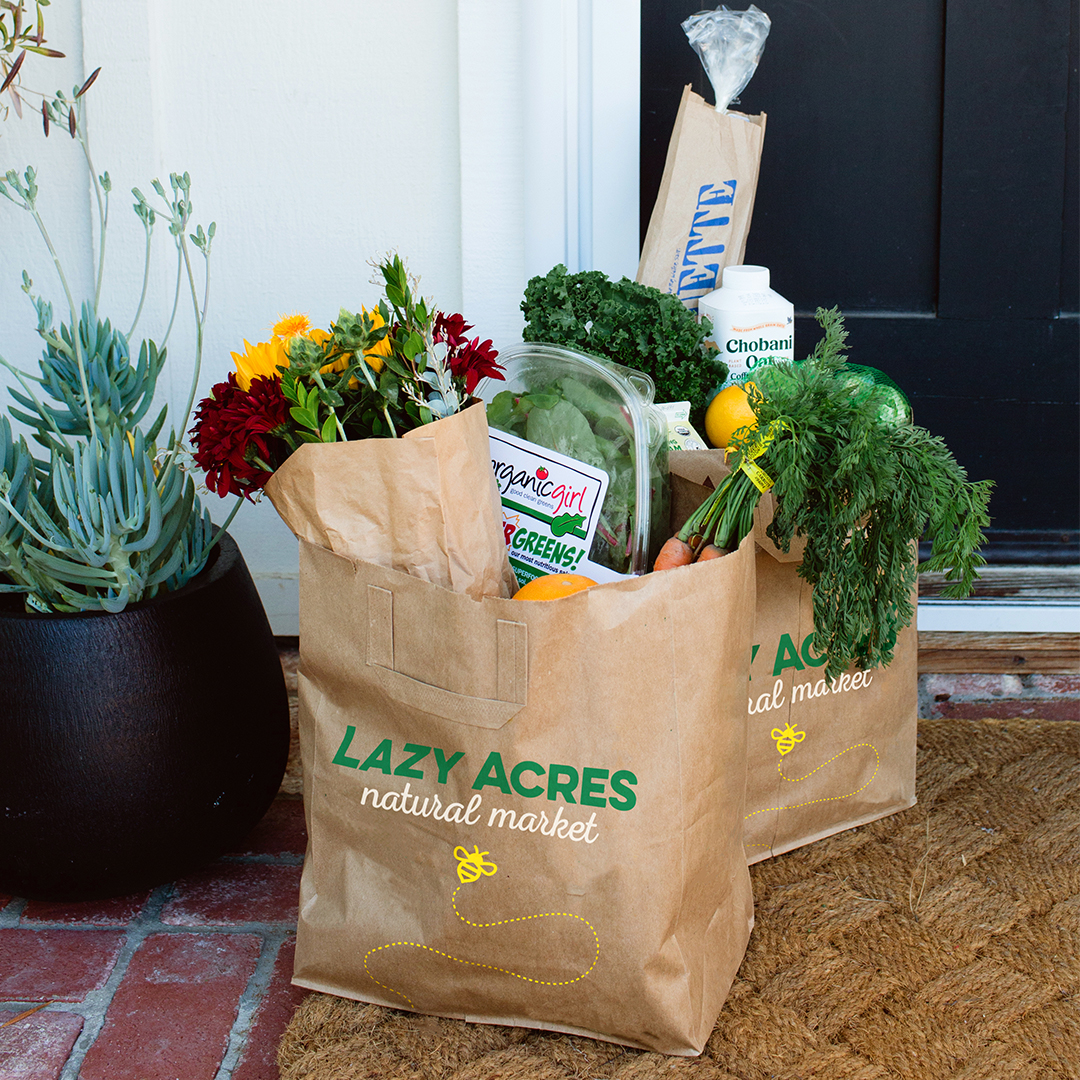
366 437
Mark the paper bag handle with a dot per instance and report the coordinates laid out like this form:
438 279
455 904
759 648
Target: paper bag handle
491 713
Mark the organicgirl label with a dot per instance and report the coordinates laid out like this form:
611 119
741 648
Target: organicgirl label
551 507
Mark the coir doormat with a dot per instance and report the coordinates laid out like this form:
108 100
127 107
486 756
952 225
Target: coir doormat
942 942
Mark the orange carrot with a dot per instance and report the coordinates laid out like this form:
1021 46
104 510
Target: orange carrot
675 552
711 551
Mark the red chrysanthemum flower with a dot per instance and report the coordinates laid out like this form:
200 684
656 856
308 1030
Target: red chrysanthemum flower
235 437
469 360
451 329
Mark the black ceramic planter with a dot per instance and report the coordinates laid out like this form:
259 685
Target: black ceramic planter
135 747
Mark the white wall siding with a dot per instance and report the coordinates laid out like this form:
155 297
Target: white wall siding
484 140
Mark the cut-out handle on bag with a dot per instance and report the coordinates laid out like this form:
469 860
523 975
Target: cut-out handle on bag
511 662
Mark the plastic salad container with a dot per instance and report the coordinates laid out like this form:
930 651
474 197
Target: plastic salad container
588 418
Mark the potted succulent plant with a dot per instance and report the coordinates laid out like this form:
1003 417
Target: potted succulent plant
142 706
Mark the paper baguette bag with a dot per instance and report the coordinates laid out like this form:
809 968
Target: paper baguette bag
701 217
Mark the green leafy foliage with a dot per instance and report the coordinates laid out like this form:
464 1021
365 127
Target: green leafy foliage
373 377
862 489
635 325
337 392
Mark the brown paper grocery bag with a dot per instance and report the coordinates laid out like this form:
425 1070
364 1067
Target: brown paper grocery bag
701 217
820 759
527 813
426 504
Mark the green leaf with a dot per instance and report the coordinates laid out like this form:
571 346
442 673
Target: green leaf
500 410
305 418
395 365
389 386
329 430
564 429
414 344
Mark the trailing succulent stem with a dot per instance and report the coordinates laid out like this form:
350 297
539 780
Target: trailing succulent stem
106 516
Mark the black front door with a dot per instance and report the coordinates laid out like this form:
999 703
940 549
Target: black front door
920 171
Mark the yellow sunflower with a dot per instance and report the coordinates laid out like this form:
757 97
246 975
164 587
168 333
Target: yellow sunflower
263 359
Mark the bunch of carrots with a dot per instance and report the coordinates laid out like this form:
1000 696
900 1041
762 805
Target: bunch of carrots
716 527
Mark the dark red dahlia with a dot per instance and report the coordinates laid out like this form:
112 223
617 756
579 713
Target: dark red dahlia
237 435
469 360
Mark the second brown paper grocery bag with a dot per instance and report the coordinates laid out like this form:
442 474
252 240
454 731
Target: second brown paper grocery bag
820 758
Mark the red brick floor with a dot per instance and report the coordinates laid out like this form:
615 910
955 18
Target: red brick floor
189 981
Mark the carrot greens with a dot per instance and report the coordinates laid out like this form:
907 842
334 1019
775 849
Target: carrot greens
861 487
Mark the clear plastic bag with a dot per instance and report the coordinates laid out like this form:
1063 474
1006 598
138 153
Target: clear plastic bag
599 413
730 44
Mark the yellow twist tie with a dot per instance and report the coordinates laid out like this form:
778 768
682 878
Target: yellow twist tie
758 476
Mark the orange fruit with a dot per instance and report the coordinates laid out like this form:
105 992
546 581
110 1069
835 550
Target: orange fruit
727 412
552 586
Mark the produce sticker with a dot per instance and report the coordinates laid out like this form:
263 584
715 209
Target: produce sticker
551 507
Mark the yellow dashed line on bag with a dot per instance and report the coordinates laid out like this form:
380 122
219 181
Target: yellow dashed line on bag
488 967
828 798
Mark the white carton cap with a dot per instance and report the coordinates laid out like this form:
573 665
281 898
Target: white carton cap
746 278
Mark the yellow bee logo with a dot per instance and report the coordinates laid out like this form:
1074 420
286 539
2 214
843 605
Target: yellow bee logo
786 739
472 864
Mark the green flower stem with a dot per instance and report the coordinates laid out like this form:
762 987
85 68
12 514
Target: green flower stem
102 203
386 413
317 377
176 297
366 368
200 320
77 344
200 323
228 521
